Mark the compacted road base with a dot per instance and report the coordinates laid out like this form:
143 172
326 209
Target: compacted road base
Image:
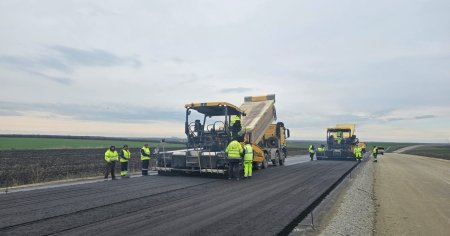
413 195
267 204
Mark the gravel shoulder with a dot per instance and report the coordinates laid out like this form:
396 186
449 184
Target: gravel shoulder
412 195
354 210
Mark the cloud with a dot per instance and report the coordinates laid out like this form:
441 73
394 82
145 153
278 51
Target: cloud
414 113
422 117
93 57
324 66
177 60
19 62
107 113
63 61
236 90
425 117
57 79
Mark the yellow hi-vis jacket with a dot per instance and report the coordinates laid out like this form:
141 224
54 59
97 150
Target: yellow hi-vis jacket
248 152
234 119
111 155
339 137
375 150
145 153
234 150
311 149
357 151
126 154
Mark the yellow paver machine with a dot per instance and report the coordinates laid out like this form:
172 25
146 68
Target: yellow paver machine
210 126
341 140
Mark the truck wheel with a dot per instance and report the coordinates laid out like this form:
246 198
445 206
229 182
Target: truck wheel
258 166
265 164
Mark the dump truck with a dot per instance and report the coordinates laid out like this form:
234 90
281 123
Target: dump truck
340 142
271 138
208 130
274 144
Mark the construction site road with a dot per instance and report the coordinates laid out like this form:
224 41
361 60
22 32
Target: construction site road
270 203
412 195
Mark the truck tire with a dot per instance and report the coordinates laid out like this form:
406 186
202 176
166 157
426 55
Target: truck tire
272 142
265 164
258 166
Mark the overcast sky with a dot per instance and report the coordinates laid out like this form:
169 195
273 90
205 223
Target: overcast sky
126 68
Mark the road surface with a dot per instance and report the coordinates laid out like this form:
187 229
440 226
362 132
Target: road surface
173 205
413 195
401 150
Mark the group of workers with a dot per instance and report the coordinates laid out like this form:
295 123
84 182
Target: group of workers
237 155
123 156
357 151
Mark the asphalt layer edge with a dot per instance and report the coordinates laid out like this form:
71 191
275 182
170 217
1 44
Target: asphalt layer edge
294 223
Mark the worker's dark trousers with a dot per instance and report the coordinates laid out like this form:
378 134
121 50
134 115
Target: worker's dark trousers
375 157
110 167
311 155
234 168
145 164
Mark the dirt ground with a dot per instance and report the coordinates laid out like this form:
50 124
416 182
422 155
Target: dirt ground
412 195
19 167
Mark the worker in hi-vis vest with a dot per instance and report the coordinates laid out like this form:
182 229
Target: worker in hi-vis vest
145 158
125 155
248 160
111 156
312 151
339 137
375 153
235 127
358 153
234 152
321 149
